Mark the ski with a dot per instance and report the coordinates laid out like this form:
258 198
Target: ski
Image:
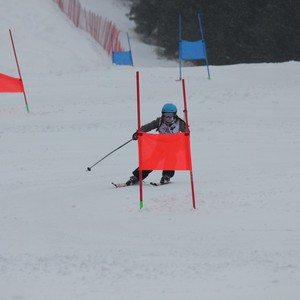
158 183
119 185
123 184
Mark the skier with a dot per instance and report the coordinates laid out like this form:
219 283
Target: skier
168 123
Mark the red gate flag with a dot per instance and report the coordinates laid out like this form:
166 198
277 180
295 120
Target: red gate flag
10 84
164 151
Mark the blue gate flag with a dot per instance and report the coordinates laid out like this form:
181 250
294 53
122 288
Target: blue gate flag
192 50
122 57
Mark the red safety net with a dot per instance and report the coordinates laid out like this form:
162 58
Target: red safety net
10 84
164 151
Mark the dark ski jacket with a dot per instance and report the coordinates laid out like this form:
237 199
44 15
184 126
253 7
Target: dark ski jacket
158 122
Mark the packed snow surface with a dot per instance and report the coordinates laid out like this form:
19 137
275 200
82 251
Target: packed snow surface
69 234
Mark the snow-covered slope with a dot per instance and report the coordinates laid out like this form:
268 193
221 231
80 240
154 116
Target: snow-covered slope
69 234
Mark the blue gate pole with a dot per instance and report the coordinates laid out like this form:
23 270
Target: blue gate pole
129 49
112 49
204 48
180 46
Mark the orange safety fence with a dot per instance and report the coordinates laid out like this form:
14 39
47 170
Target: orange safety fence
101 29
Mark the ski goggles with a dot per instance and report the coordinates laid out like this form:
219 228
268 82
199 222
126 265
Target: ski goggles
168 115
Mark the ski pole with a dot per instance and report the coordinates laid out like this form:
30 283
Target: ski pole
90 168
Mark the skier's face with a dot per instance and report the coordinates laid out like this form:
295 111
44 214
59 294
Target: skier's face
168 118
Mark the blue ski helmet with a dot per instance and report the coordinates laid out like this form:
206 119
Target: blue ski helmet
169 108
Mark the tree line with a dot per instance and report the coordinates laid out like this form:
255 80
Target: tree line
235 31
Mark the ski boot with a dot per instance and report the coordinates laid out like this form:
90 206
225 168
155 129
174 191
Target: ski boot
132 181
165 179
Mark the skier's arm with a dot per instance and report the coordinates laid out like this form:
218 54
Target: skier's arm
182 125
150 126
147 127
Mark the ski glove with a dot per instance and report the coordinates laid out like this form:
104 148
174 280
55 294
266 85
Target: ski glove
135 136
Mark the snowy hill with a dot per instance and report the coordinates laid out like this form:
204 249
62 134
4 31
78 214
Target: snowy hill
69 234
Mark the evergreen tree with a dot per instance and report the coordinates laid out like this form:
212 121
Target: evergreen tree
243 31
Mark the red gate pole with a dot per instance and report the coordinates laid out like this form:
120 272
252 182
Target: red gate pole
139 132
16 58
188 132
